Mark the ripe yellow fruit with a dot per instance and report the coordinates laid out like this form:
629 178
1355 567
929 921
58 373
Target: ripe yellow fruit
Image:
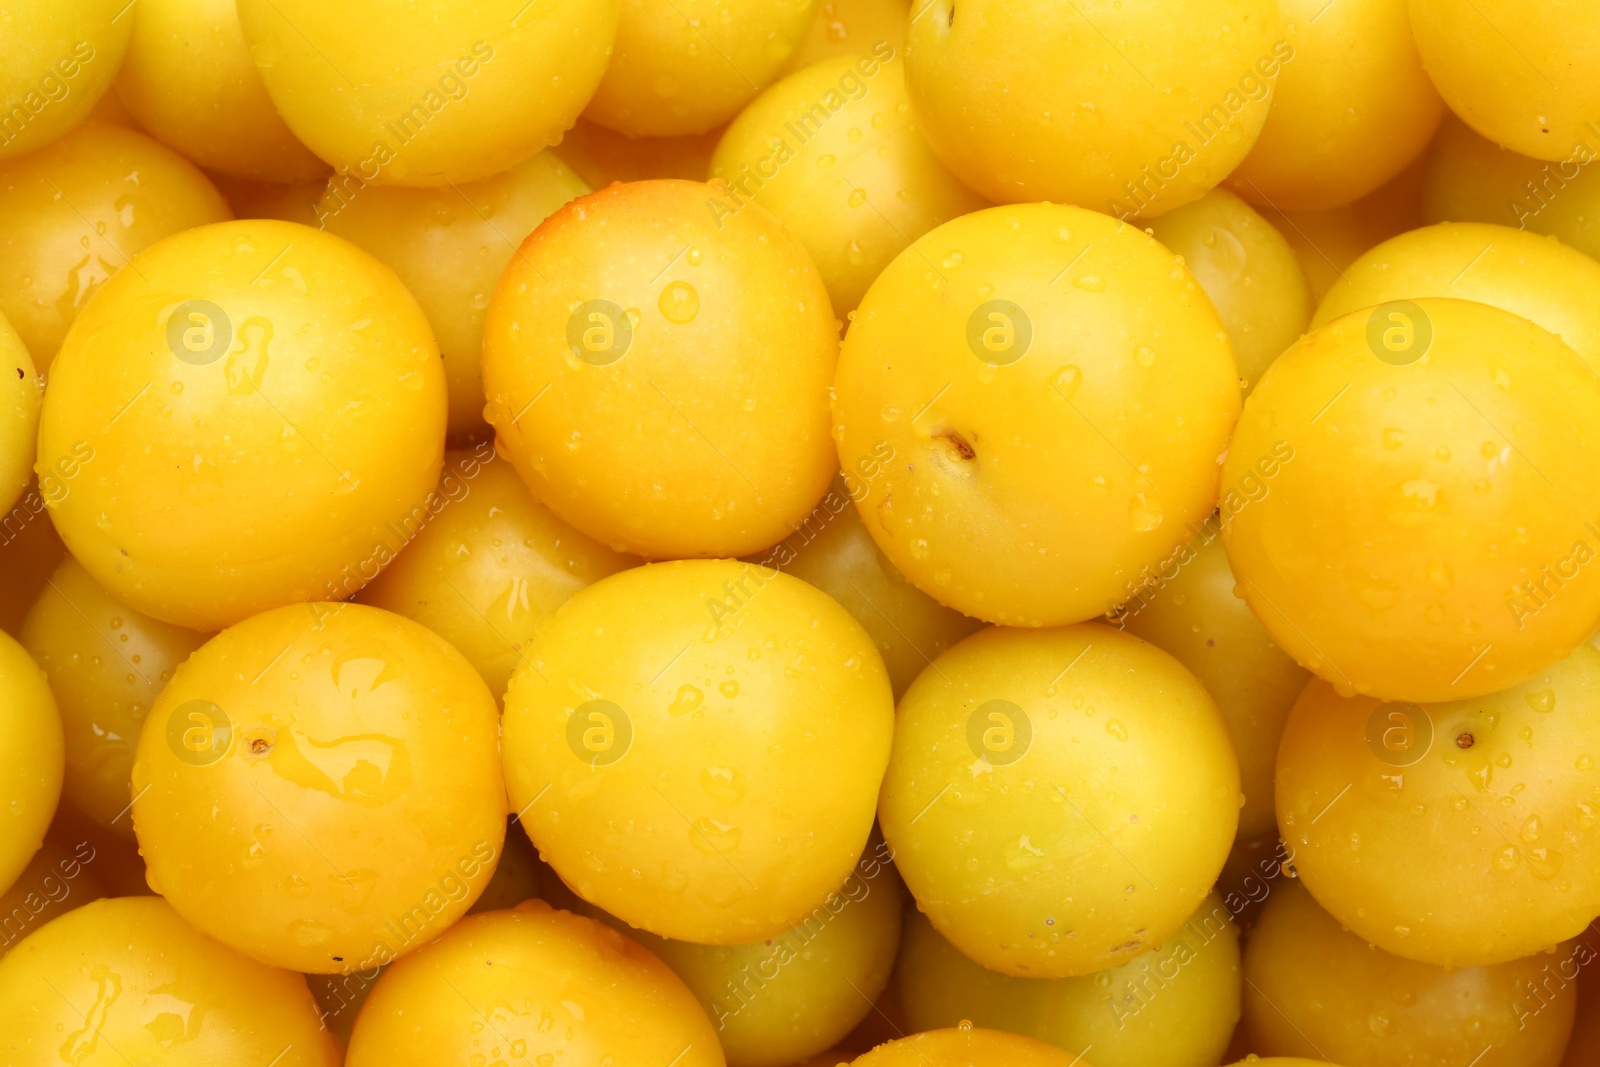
1351 109
31 759
1249 271
189 81
127 981
250 416
967 1047
1174 1006
429 94
1472 179
548 983
1189 609
1313 989
1135 110
1532 85
21 393
684 66
834 153
657 361
1058 801
319 787
72 214
1406 496
106 664
1054 391
696 747
489 566
56 61
1358 779
834 552
450 246
1535 277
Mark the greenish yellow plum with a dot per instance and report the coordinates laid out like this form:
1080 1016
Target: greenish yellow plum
833 551
684 66
657 361
188 80
72 213
450 246
1452 436
319 787
1135 111
21 392
696 747
1536 277
1471 179
780 1000
125 980
54 882
549 983
56 61
1496 797
1249 271
851 27
1189 609
967 1047
489 565
1326 242
1055 390
106 664
1058 801
31 759
1349 112
435 94
255 412
833 151
1314 989
601 156
1531 85
1174 1006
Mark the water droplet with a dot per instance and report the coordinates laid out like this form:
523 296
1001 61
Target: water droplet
1066 381
1146 514
679 302
1092 283
688 699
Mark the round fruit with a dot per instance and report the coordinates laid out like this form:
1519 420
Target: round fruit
1535 277
1174 1006
71 215
31 759
1035 100
1536 91
56 61
833 551
450 246
489 566
1313 989
188 79
258 409
127 981
106 664
319 787
684 66
1058 801
657 361
1054 390
549 984
1248 270
1406 492
1496 797
696 747
439 93
834 153
1189 609
1348 113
